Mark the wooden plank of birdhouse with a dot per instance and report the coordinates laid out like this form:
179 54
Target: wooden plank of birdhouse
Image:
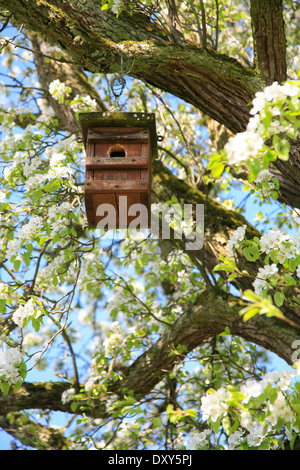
89 208
113 133
116 186
113 216
107 162
136 149
128 174
123 208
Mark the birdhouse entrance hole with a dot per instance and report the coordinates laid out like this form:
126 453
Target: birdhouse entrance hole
119 151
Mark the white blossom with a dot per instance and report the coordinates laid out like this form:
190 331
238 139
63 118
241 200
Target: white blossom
23 312
252 388
285 244
67 395
279 408
32 339
238 235
242 146
199 439
272 93
3 290
47 112
255 436
58 89
234 440
56 158
35 181
116 7
213 405
111 342
28 230
260 282
10 359
262 177
83 104
64 208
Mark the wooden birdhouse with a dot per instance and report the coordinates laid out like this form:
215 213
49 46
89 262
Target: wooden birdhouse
119 151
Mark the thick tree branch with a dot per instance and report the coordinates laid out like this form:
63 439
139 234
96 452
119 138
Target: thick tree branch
209 316
214 83
32 434
269 39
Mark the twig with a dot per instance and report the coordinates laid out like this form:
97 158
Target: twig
217 25
204 43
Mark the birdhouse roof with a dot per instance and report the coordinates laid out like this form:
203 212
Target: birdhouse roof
120 121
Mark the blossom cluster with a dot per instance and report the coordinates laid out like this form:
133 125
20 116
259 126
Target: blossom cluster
265 183
10 359
272 93
58 89
282 246
282 243
243 146
47 113
263 275
67 395
25 312
117 6
83 104
278 244
25 234
237 236
112 341
246 145
215 405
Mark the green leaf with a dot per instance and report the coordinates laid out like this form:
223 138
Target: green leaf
17 265
4 387
249 312
282 147
18 385
224 267
216 425
36 324
289 280
251 253
294 263
74 406
156 422
279 298
217 170
2 305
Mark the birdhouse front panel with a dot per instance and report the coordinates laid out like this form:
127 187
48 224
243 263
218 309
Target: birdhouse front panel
118 170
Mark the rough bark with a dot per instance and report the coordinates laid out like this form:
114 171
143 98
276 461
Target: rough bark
269 39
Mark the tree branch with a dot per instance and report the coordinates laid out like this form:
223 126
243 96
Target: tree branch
208 317
269 39
32 433
217 84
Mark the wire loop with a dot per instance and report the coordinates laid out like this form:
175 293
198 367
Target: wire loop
118 83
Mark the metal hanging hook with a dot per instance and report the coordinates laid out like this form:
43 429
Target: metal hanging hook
118 83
